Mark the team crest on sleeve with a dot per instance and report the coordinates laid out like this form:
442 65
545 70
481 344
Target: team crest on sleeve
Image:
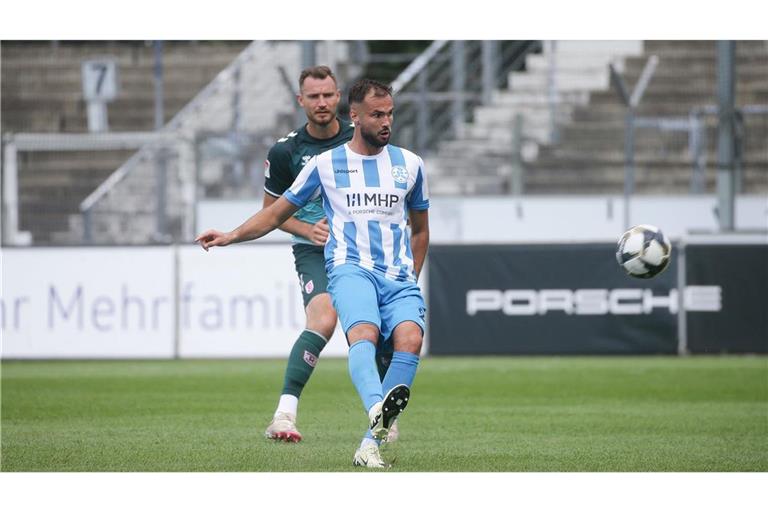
400 174
266 168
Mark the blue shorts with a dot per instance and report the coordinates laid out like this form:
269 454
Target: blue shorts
359 296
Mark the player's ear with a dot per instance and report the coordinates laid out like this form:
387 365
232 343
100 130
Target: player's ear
353 115
300 99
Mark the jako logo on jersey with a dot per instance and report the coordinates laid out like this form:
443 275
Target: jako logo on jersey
388 200
400 174
619 301
266 168
310 358
309 286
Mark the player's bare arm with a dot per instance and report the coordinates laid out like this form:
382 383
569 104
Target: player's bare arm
419 237
260 224
316 233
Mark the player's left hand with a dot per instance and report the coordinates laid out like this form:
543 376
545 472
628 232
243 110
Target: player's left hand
213 238
319 233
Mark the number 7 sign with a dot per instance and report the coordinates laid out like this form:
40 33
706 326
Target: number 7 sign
99 80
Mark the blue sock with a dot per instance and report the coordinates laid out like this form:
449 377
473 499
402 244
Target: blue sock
365 376
368 435
401 370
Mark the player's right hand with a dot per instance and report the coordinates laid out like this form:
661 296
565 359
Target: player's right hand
320 232
213 238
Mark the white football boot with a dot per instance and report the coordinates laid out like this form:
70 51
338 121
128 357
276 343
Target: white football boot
369 457
283 428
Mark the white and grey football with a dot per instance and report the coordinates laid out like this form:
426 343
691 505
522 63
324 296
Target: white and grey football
643 251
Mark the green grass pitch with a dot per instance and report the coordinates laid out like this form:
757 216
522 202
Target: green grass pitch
465 414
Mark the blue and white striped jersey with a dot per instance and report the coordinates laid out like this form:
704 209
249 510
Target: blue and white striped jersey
366 200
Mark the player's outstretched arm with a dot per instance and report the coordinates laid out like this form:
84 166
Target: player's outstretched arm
419 237
260 224
315 233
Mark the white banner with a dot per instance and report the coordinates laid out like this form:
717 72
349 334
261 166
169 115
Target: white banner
123 302
87 303
242 301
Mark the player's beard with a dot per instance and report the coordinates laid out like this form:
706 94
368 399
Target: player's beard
374 140
330 117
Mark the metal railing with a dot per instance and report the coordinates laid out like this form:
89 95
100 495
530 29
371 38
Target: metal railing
436 93
223 80
695 126
13 143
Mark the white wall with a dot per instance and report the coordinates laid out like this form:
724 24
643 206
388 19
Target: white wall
227 214
502 219
579 218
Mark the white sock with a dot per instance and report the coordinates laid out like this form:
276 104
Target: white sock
288 403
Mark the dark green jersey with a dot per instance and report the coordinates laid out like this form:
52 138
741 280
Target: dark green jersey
286 159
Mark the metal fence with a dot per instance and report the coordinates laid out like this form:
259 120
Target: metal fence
437 93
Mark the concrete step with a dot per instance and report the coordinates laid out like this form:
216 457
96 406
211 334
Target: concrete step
540 115
701 68
578 183
687 99
569 63
26 56
700 46
585 179
565 80
599 47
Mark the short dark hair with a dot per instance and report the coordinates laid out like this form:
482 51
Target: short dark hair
318 72
360 89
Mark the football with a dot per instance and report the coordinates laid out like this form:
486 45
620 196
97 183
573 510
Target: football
643 251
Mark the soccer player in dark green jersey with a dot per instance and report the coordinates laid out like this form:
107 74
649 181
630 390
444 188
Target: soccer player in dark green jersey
319 96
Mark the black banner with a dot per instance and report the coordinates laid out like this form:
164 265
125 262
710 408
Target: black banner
546 299
741 325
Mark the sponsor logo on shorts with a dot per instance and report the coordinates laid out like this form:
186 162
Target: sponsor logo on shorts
310 358
309 286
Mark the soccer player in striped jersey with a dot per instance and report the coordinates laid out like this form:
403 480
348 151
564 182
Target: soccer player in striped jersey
319 97
370 190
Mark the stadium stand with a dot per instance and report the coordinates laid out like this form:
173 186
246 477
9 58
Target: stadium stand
585 151
223 132
554 126
42 92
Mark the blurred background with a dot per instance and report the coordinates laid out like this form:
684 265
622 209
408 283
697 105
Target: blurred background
138 145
